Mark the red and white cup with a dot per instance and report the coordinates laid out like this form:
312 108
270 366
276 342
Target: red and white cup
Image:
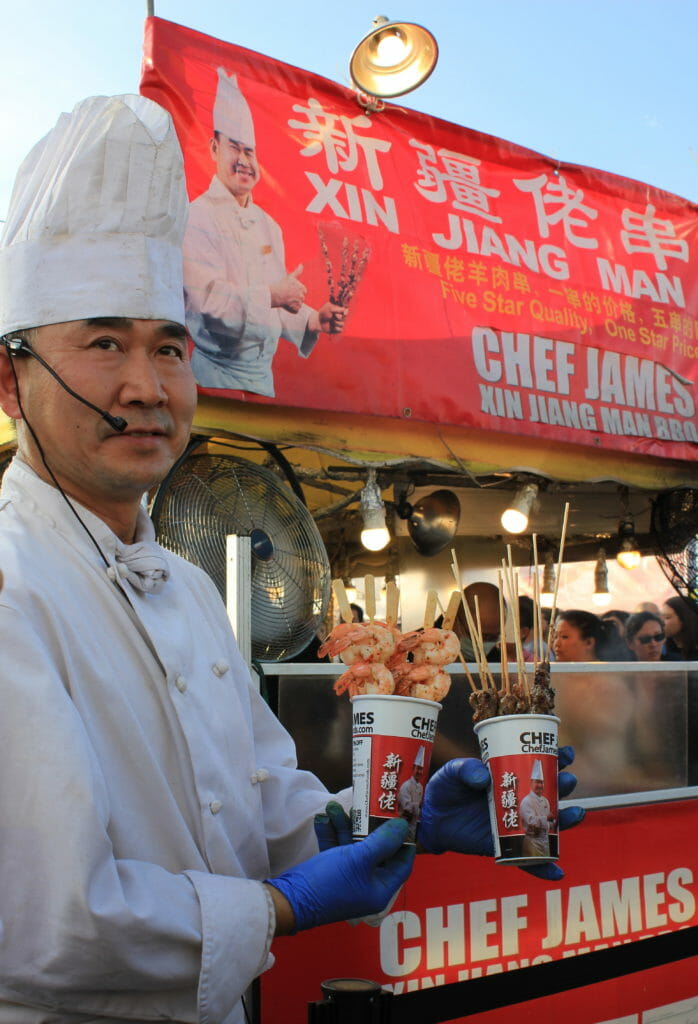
392 739
521 754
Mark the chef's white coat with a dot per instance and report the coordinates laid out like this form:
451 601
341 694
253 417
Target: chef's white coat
231 256
145 787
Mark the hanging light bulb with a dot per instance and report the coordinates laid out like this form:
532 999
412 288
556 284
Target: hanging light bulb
547 592
629 555
602 595
515 516
375 534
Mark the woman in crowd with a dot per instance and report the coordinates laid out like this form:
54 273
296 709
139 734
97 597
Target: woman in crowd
583 636
644 635
681 628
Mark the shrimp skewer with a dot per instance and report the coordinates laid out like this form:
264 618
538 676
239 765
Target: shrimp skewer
365 677
427 682
431 646
359 641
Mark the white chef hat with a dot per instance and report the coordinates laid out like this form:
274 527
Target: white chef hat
231 114
419 758
96 219
537 771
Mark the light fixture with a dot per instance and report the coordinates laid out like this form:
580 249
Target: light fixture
547 591
394 58
601 596
515 517
629 555
374 535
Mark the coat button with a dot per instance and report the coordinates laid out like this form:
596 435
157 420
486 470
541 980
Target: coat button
220 668
215 806
181 683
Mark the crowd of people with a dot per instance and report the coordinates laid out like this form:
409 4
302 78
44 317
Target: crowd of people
649 633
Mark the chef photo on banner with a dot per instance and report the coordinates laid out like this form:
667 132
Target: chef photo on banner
240 297
536 816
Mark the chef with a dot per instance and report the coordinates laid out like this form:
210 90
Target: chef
240 298
156 833
536 816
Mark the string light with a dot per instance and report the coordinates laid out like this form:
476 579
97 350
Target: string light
375 534
515 517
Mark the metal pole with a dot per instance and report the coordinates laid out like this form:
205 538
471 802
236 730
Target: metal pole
351 1001
150 8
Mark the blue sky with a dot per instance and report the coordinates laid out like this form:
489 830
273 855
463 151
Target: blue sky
608 83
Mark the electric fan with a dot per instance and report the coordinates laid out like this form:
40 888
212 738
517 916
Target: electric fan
674 527
208 497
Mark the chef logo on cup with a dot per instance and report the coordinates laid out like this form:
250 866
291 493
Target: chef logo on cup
536 816
410 795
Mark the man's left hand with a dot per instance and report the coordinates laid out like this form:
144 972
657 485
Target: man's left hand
455 814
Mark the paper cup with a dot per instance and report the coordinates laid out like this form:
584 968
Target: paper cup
392 738
521 754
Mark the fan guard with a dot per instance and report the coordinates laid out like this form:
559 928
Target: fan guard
674 526
208 497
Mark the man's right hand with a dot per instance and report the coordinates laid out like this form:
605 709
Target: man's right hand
289 292
348 881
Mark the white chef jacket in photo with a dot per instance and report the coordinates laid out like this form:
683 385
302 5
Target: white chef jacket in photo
145 787
231 256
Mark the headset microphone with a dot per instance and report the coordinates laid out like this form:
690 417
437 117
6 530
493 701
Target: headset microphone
18 347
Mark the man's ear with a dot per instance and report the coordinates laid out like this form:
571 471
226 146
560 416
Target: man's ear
8 386
213 147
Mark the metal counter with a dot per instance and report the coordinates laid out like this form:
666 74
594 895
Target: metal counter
634 725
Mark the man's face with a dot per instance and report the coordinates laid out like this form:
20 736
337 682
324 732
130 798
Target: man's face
136 369
236 166
418 771
537 787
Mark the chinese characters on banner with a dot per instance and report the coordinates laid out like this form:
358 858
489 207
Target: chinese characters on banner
487 286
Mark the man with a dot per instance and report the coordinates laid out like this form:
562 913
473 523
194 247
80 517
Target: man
410 795
483 601
240 298
156 832
536 817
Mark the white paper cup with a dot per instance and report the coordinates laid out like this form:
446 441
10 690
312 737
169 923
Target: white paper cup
521 754
392 739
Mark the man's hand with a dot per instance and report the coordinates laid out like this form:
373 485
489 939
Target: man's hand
348 881
455 814
329 318
289 292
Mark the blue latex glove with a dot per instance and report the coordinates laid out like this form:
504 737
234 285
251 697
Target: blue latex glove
455 814
348 881
333 828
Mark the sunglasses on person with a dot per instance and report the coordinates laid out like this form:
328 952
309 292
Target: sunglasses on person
657 638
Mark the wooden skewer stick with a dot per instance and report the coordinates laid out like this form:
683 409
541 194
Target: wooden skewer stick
468 617
537 623
449 619
392 603
485 671
563 534
430 609
340 596
370 595
503 633
451 610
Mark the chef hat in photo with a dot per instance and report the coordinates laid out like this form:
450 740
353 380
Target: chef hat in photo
231 114
96 219
537 771
419 758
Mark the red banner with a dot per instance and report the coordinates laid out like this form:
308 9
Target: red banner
631 873
487 286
